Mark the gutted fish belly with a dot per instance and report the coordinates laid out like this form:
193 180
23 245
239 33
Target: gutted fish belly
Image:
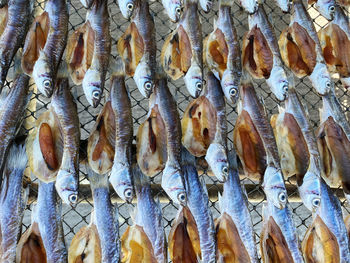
14 18
88 52
44 240
137 48
13 199
144 241
45 44
234 221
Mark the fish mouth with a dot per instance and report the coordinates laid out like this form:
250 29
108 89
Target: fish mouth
48 92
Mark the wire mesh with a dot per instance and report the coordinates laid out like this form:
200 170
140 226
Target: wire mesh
76 217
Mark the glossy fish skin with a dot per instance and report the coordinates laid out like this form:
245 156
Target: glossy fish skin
94 79
65 109
298 150
46 229
198 204
230 75
335 43
137 48
12 38
11 108
126 7
275 75
333 140
148 217
305 57
172 177
330 214
13 199
327 8
104 218
233 203
44 68
173 8
188 56
216 155
121 174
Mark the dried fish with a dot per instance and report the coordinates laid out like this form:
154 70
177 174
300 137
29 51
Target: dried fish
327 8
127 7
173 8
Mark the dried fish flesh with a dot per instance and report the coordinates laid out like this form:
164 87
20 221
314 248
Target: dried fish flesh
326 239
261 55
137 48
182 52
159 142
14 18
234 221
88 52
144 241
173 8
301 49
192 235
204 128
44 45
97 242
298 149
13 199
333 139
222 52
44 240
335 43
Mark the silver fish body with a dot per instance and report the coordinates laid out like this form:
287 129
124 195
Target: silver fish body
233 203
104 218
13 199
121 174
65 110
12 38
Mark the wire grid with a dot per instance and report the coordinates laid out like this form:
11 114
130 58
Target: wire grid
76 217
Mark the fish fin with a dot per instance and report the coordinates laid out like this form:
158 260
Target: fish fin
117 66
17 62
62 70
17 158
140 180
35 42
187 157
97 180
232 157
80 51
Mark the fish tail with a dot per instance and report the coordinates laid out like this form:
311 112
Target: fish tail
17 158
246 78
62 70
17 62
116 66
140 180
97 180
226 2
187 157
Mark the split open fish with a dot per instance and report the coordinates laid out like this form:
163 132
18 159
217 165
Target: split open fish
261 55
301 49
222 52
182 52
88 52
204 128
44 45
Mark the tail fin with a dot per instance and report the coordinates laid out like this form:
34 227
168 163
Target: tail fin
17 158
17 62
116 66
97 180
140 180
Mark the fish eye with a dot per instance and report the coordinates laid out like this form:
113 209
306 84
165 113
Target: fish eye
285 88
47 83
96 94
178 10
199 86
316 202
332 8
148 85
73 198
328 84
233 92
181 197
128 193
282 197
130 6
225 170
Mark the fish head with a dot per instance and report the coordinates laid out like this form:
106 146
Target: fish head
173 8
216 158
120 179
230 87
310 191
143 78
251 6
326 8
194 80
285 5
278 83
206 5
320 79
274 187
126 7
92 86
173 185
66 187
42 75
